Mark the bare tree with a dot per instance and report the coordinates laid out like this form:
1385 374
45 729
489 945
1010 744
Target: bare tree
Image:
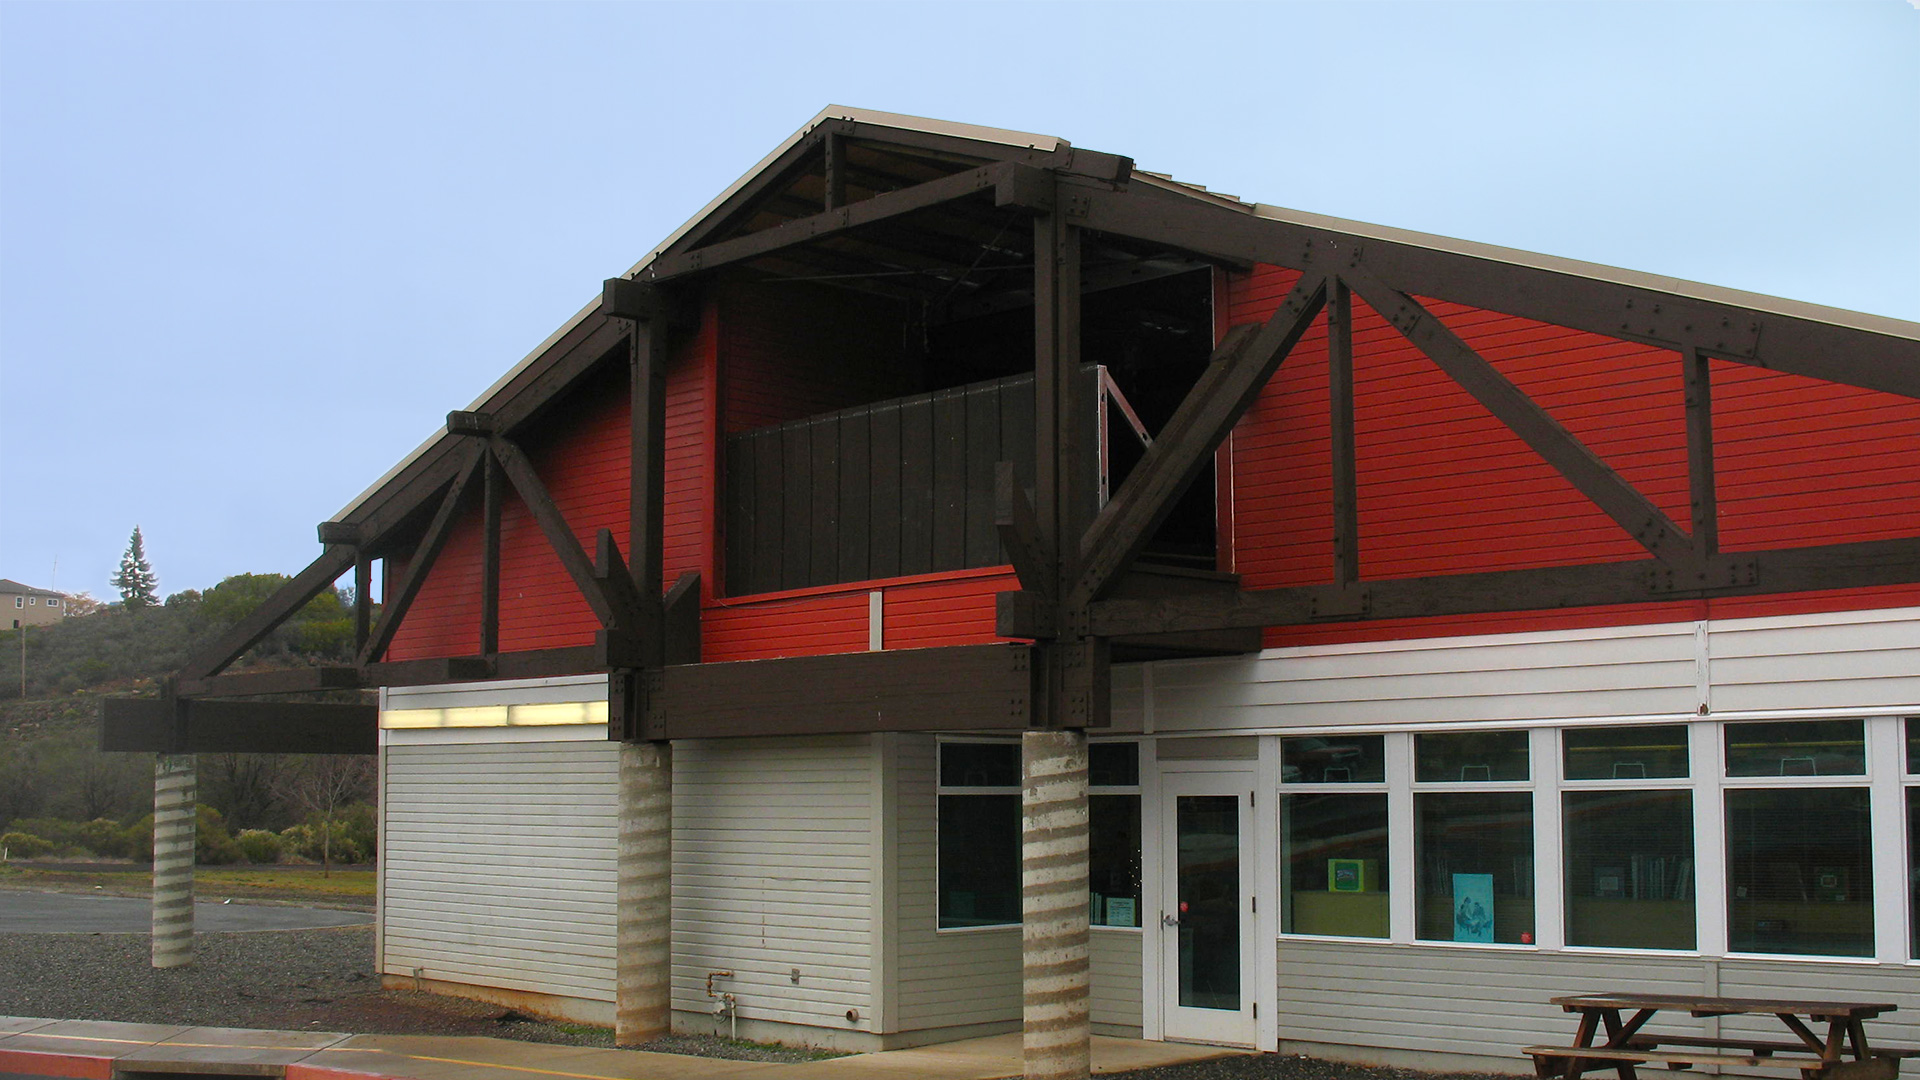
326 784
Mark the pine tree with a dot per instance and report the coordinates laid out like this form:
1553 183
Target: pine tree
135 578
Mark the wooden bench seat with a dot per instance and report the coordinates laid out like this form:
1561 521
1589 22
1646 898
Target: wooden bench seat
1884 1066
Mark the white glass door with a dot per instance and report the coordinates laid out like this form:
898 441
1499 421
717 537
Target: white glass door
1206 922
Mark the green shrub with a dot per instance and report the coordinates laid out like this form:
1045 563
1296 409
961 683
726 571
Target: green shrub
299 840
21 845
106 837
212 844
260 845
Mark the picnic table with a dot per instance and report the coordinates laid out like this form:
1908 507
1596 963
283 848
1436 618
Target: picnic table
1843 1054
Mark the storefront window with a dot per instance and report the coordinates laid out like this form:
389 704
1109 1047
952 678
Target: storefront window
1333 759
1913 862
1333 864
1474 851
1470 756
979 858
1799 871
1626 753
1797 748
1629 869
1113 812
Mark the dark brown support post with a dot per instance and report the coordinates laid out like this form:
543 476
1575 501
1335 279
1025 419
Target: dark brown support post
492 494
362 598
1346 511
647 484
835 172
1706 511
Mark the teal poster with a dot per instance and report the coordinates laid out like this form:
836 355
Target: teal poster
1473 907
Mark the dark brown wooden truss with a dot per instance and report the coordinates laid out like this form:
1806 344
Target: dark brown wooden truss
965 227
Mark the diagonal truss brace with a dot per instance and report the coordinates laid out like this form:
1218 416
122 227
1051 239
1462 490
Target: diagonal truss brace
1584 469
423 559
1245 361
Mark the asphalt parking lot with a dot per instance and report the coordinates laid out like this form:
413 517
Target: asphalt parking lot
66 913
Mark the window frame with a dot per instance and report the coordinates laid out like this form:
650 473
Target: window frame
1395 744
941 791
1690 783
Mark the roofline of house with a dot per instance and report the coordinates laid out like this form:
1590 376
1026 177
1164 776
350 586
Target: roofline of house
1841 317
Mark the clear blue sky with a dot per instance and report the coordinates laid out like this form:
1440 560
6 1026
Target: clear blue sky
251 254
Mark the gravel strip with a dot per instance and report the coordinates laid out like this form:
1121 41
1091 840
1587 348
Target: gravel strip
322 980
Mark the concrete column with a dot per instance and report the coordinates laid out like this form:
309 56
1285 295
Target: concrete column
173 835
644 943
1053 905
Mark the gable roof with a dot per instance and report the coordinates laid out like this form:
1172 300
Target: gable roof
8 585
879 123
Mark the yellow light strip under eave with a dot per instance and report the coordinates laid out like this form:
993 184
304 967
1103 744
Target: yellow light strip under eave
549 714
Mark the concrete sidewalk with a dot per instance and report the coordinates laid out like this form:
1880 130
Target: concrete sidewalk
100 1049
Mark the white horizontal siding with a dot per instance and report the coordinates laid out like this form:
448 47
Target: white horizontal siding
1493 1002
955 978
498 865
773 871
1649 671
1844 660
1116 979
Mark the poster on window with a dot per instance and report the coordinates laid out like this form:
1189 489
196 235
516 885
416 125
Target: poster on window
1473 907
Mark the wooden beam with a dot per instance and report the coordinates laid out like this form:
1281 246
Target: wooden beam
957 688
492 500
430 671
612 603
285 681
362 598
1698 379
804 230
421 562
680 620
1747 573
320 574
1796 344
1019 532
646 501
1241 366
1592 477
834 172
147 725
1346 497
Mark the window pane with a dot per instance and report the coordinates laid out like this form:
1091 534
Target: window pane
1475 854
1629 861
1113 860
1333 759
1470 755
1913 746
1113 764
1800 871
1333 862
1627 753
979 860
1913 858
1797 748
979 764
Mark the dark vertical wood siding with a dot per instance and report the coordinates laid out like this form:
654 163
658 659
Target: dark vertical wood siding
897 488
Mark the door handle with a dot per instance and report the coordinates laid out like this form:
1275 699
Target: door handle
1169 920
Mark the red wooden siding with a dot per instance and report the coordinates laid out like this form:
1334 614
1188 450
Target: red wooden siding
1446 488
585 464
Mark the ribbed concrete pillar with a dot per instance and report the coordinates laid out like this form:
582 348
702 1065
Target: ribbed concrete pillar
173 825
644 943
1053 905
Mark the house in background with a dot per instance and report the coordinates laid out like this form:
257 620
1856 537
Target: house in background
24 605
1384 632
